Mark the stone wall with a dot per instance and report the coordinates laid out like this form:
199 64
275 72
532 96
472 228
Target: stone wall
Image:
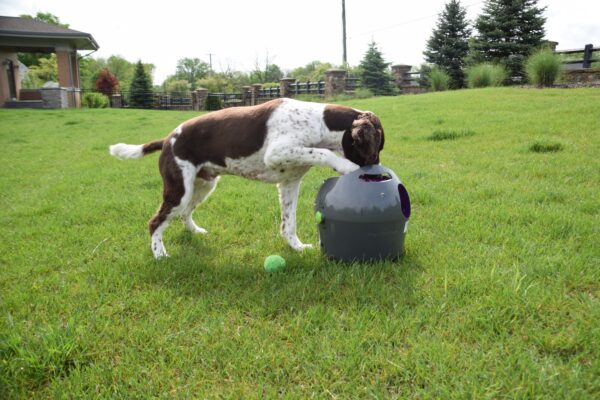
587 75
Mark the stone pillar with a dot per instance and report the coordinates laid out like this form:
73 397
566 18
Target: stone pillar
255 94
400 75
335 82
116 101
285 88
199 99
246 95
54 97
550 44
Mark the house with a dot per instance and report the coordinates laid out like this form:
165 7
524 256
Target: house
29 35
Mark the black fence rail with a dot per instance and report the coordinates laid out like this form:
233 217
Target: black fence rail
583 58
269 93
217 101
310 88
186 100
155 100
173 101
352 83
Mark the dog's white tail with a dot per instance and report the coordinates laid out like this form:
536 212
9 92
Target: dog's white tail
127 151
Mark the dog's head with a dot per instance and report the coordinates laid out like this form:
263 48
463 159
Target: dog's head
365 141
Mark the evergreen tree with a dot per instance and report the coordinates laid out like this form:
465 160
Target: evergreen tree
508 31
374 72
140 95
448 45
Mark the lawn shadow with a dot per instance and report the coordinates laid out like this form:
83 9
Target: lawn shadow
309 280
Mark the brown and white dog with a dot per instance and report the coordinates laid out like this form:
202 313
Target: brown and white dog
275 142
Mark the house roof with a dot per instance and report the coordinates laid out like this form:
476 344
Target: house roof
26 34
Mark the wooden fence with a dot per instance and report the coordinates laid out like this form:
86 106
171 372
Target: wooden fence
583 57
336 82
257 95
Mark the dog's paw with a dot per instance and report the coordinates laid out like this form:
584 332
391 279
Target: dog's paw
346 166
158 249
160 254
303 246
199 230
192 227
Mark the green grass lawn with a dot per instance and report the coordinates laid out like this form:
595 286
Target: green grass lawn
498 295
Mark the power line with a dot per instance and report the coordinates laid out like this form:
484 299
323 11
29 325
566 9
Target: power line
412 21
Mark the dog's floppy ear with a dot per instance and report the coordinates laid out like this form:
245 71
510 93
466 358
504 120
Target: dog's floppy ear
367 138
360 128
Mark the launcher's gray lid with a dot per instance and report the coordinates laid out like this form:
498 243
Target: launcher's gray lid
355 198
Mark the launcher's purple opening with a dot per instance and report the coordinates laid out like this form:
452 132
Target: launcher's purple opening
404 201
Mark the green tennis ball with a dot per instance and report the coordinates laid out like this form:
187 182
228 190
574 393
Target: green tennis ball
318 217
274 263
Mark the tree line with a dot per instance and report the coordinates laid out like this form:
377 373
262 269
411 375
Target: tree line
507 32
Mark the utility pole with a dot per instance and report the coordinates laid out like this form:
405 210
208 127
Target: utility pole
345 55
210 70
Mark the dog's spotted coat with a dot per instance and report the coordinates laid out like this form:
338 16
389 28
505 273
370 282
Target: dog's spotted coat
275 142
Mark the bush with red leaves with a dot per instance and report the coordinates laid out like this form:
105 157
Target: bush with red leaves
106 82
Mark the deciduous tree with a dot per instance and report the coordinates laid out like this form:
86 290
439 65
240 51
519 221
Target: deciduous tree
106 83
191 69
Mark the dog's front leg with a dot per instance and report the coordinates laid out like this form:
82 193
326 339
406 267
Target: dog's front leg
308 156
288 200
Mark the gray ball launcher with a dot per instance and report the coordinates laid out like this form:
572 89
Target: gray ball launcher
363 215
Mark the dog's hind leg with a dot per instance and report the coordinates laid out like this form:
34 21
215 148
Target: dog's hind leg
178 189
288 200
202 189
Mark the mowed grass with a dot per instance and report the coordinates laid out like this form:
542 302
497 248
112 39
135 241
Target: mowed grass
498 295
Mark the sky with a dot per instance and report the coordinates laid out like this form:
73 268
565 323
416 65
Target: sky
243 34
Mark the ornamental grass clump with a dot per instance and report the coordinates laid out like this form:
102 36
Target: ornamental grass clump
543 68
486 75
438 79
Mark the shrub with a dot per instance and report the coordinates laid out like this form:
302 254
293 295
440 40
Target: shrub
543 67
95 100
106 82
485 75
438 79
423 79
362 93
178 87
213 103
